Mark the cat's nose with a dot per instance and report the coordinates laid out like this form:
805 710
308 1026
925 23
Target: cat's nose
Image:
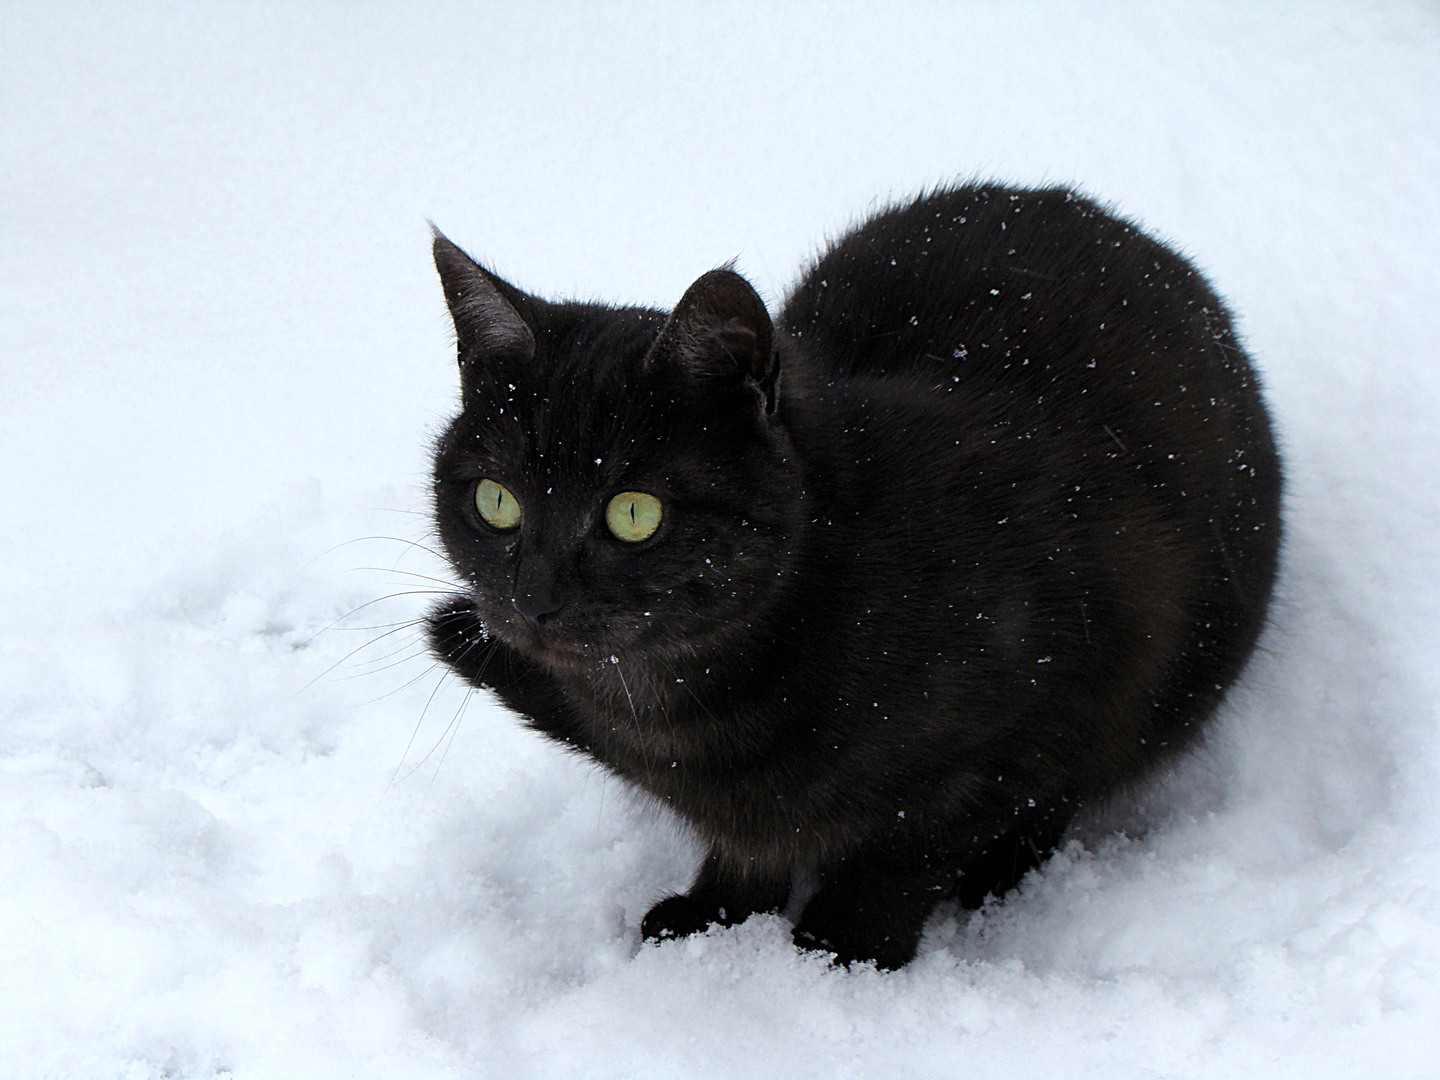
536 596
535 607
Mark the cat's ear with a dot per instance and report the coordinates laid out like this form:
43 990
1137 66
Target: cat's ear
487 311
719 328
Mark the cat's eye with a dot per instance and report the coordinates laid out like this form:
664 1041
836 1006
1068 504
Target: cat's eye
633 516
496 505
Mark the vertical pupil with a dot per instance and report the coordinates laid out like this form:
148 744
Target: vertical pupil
632 511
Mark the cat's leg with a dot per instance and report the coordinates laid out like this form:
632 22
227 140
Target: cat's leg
869 909
998 869
459 639
715 897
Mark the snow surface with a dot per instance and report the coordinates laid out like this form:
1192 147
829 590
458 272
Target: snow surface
242 833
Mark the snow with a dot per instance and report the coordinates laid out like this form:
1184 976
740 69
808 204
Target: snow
243 835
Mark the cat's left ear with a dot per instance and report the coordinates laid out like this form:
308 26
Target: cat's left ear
721 328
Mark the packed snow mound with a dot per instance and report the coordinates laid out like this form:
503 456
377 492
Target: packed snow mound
248 829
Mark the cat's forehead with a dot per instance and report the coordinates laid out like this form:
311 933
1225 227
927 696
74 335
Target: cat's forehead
585 348
583 411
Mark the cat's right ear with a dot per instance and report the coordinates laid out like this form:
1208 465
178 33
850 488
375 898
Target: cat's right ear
721 329
487 311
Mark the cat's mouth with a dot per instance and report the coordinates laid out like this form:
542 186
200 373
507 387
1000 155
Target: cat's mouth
577 641
571 648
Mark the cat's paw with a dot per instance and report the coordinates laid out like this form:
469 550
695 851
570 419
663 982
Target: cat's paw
676 917
883 953
458 637
856 941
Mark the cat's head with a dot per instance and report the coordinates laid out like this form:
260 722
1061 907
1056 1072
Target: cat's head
619 481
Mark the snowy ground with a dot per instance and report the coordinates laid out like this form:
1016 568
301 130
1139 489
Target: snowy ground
222 352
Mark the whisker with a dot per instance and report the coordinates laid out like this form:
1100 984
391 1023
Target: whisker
363 539
640 735
369 603
659 699
399 764
453 721
348 655
600 813
403 686
409 573
395 628
379 626
409 649
446 753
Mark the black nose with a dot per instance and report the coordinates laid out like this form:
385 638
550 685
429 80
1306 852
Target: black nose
536 596
535 607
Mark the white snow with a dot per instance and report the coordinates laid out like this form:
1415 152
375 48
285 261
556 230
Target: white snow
223 351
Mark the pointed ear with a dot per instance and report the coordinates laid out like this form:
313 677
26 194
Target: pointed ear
720 327
486 310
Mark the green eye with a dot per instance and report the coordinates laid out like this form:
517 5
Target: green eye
633 516
496 505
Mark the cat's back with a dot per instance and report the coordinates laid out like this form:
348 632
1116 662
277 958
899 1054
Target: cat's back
997 285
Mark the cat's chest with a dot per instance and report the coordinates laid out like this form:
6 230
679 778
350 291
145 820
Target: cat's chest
747 771
654 727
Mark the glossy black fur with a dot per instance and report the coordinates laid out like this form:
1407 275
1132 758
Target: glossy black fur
977 533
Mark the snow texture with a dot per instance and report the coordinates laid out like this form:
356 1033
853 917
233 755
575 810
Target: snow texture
242 830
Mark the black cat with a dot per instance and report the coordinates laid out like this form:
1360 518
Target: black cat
879 596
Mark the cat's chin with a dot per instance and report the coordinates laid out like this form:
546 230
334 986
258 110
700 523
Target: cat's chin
581 659
561 655
557 653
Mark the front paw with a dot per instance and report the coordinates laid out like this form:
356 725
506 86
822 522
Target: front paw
459 638
853 939
842 953
884 954
676 917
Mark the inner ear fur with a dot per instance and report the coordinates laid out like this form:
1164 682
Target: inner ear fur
490 315
719 327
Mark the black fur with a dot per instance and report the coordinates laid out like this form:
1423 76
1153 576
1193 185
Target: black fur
976 535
